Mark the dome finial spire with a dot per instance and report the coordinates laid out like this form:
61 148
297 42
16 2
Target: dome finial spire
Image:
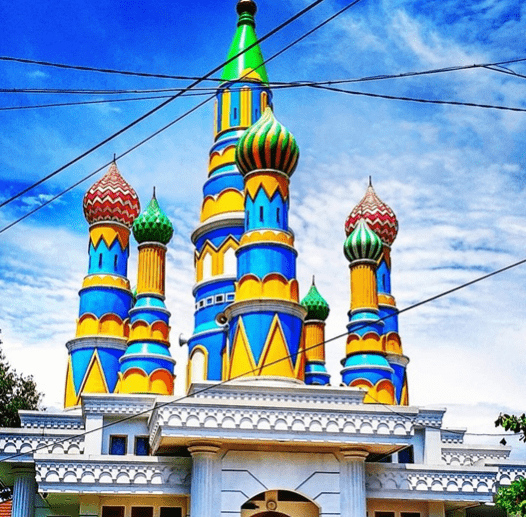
154 196
246 6
370 181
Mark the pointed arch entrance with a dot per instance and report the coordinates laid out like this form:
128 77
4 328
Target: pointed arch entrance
279 503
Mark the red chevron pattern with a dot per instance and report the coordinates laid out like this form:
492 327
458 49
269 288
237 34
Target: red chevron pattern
111 199
380 218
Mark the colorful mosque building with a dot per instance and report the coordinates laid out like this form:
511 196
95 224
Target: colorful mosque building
263 429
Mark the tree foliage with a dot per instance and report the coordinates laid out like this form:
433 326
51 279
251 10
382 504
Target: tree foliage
16 392
515 424
512 498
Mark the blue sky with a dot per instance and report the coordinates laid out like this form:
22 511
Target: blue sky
453 175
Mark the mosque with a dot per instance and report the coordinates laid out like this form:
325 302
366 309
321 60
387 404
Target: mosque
262 430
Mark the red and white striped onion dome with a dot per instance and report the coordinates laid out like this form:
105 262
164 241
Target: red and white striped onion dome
380 218
111 199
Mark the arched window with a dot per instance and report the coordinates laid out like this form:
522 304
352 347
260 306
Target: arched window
198 366
229 262
207 266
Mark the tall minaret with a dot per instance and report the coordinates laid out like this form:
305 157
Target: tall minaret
266 319
382 220
314 337
147 366
241 98
366 365
110 207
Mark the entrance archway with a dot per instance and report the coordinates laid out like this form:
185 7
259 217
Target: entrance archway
279 503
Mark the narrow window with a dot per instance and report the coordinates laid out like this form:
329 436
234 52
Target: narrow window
256 114
118 445
384 514
248 219
261 213
235 113
100 260
142 511
142 446
277 215
168 511
115 259
113 511
409 514
406 456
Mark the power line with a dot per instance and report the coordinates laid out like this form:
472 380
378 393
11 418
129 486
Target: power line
173 122
102 70
423 101
276 86
193 78
165 103
291 356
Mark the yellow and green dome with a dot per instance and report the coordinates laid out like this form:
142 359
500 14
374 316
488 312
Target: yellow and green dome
153 225
317 307
267 144
362 243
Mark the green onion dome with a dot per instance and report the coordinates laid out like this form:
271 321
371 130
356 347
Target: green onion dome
317 307
362 244
153 225
267 145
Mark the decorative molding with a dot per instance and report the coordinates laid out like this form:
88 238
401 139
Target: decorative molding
418 482
48 420
108 475
104 404
466 455
452 435
25 441
509 473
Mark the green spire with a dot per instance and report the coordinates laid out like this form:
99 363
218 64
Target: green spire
153 225
317 307
251 63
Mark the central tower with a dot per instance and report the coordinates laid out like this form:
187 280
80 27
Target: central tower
240 100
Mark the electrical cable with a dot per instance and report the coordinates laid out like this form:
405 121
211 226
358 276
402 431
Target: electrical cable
424 101
102 70
193 78
291 356
171 123
165 103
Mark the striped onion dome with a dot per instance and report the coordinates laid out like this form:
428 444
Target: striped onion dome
267 145
362 244
153 225
317 307
378 215
111 199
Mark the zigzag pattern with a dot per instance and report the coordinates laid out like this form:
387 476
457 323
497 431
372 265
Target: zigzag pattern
380 218
111 199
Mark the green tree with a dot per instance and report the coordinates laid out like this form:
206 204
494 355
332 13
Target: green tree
512 498
16 392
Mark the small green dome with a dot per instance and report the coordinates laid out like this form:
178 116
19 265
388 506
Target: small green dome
267 145
362 244
317 307
153 225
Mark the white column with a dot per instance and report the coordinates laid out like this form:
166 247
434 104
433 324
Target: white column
205 492
353 501
24 492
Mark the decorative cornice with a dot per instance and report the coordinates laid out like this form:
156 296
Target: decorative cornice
118 343
104 404
430 482
106 474
245 306
218 221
